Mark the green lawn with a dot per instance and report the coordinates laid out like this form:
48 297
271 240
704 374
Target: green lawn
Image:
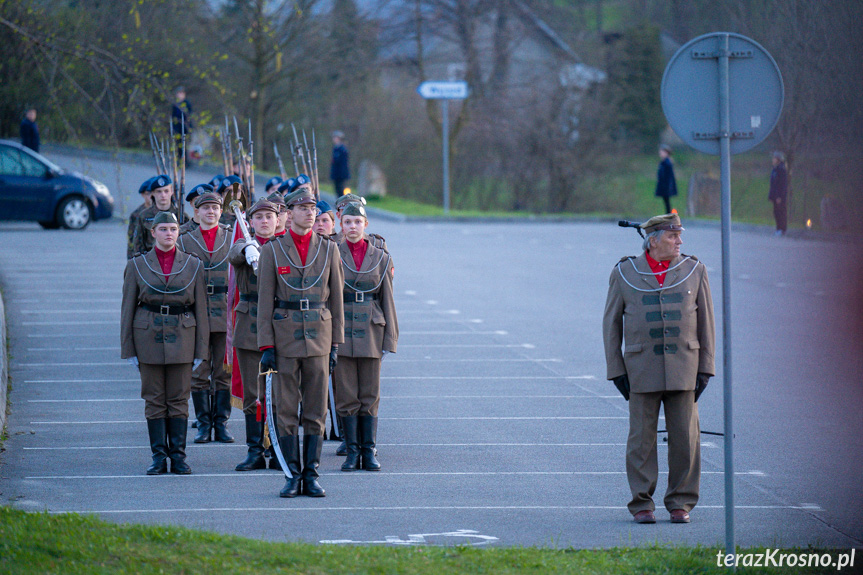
41 543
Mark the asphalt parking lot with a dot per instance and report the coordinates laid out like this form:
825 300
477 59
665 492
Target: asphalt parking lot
497 424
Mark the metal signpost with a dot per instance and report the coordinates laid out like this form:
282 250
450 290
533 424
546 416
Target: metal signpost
444 91
722 94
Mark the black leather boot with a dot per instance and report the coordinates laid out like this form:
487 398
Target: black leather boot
312 445
221 413
342 449
177 428
368 432
254 439
290 446
352 463
274 461
159 446
201 401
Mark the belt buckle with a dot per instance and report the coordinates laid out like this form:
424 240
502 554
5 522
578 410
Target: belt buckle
304 305
359 297
211 289
165 310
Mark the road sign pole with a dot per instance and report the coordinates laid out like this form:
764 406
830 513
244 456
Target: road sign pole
725 185
445 121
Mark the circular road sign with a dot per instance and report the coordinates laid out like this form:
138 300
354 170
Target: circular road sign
690 92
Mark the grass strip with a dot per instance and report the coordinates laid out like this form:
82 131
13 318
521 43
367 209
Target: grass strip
71 543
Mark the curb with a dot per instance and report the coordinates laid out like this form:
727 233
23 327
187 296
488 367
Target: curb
4 366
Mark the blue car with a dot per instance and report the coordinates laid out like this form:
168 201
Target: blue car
33 188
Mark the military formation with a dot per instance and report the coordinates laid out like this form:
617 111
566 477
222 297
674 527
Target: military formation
264 305
259 305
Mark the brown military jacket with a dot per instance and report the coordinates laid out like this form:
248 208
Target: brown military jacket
374 239
215 271
142 239
300 333
371 324
158 338
668 335
245 326
189 226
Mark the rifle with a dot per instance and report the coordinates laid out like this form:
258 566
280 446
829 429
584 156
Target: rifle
182 207
229 171
299 150
282 171
251 165
172 153
153 148
225 154
236 206
315 167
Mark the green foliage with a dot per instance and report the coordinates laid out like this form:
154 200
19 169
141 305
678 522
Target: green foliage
42 543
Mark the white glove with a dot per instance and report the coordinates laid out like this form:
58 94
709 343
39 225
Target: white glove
196 364
133 361
386 353
252 254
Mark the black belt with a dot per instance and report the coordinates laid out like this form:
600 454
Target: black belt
359 297
167 309
212 290
249 297
301 305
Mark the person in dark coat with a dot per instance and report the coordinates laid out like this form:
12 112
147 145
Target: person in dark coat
666 186
339 170
30 131
779 192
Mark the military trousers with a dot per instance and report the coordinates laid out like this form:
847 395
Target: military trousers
357 385
213 367
301 379
253 383
684 449
165 390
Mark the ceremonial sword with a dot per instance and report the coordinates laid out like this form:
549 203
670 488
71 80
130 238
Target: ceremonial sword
333 409
236 205
271 424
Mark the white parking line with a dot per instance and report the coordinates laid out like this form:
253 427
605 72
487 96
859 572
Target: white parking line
496 332
365 475
78 364
61 311
488 377
707 444
472 418
417 508
69 323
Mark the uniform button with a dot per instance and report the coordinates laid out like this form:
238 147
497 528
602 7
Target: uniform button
306 316
356 316
667 331
666 348
664 315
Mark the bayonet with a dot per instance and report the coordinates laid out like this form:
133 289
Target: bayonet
282 171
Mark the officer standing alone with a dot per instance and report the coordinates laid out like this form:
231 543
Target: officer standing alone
659 336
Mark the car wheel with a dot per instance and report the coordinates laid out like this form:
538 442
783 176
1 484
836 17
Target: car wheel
74 213
49 225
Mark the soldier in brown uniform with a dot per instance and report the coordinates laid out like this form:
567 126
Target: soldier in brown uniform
347 199
163 201
659 308
147 198
243 255
300 324
371 331
164 331
211 242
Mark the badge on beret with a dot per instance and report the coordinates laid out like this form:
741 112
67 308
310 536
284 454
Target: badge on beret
161 182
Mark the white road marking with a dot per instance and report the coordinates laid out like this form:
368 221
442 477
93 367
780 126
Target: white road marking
73 335
109 348
496 332
410 292
270 476
473 360
138 380
472 418
79 364
467 345
489 377
61 311
431 302
81 400
707 444
69 323
621 508
391 397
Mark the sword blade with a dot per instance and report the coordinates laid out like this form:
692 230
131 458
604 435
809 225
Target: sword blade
271 425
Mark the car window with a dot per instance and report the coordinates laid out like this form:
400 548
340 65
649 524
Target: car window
14 162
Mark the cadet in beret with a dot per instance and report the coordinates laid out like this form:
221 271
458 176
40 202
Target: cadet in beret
378 241
190 197
210 242
659 337
232 185
165 333
147 197
272 184
325 221
244 256
300 324
162 191
371 332
282 220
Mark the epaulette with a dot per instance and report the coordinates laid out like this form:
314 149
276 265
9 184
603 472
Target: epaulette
624 258
377 237
693 258
225 227
330 238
